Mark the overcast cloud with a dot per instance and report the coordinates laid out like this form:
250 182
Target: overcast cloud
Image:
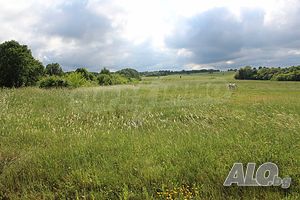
157 34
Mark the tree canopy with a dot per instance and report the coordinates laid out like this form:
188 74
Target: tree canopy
105 71
86 74
263 73
54 69
17 65
129 73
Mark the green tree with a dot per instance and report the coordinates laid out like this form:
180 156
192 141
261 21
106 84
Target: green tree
129 73
54 69
86 74
105 79
246 73
105 71
274 73
17 65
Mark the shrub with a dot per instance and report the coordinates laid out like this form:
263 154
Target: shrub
104 79
86 74
112 79
119 79
76 79
53 81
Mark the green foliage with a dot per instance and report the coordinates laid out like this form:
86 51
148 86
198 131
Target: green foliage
104 79
76 79
263 73
291 76
17 65
71 80
129 73
245 73
123 76
119 79
53 81
112 79
18 68
54 69
105 71
86 74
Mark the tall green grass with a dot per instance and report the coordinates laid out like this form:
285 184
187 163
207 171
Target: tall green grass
166 137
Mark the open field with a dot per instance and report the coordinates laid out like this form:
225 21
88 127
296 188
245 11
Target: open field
162 136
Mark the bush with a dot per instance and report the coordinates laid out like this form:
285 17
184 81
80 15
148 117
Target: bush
72 80
53 81
119 79
104 79
76 80
86 74
112 79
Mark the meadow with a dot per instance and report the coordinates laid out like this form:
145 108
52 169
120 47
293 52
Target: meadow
163 138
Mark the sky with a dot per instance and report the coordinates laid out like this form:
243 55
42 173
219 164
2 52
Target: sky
155 34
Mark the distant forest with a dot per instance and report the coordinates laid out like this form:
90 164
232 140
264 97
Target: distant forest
263 73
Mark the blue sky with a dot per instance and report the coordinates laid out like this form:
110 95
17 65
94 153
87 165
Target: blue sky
156 34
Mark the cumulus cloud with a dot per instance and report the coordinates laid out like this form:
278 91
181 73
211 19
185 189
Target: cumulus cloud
155 35
219 37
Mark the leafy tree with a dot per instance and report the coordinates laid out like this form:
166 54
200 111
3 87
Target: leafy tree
291 76
120 77
17 65
245 73
54 69
264 73
129 73
104 71
86 74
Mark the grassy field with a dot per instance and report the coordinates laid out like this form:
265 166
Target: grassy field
166 137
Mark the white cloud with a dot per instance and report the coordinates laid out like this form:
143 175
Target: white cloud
195 66
229 62
137 33
184 53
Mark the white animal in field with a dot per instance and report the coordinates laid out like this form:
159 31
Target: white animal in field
232 86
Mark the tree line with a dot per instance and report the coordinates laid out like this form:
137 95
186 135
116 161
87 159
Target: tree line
19 68
263 73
